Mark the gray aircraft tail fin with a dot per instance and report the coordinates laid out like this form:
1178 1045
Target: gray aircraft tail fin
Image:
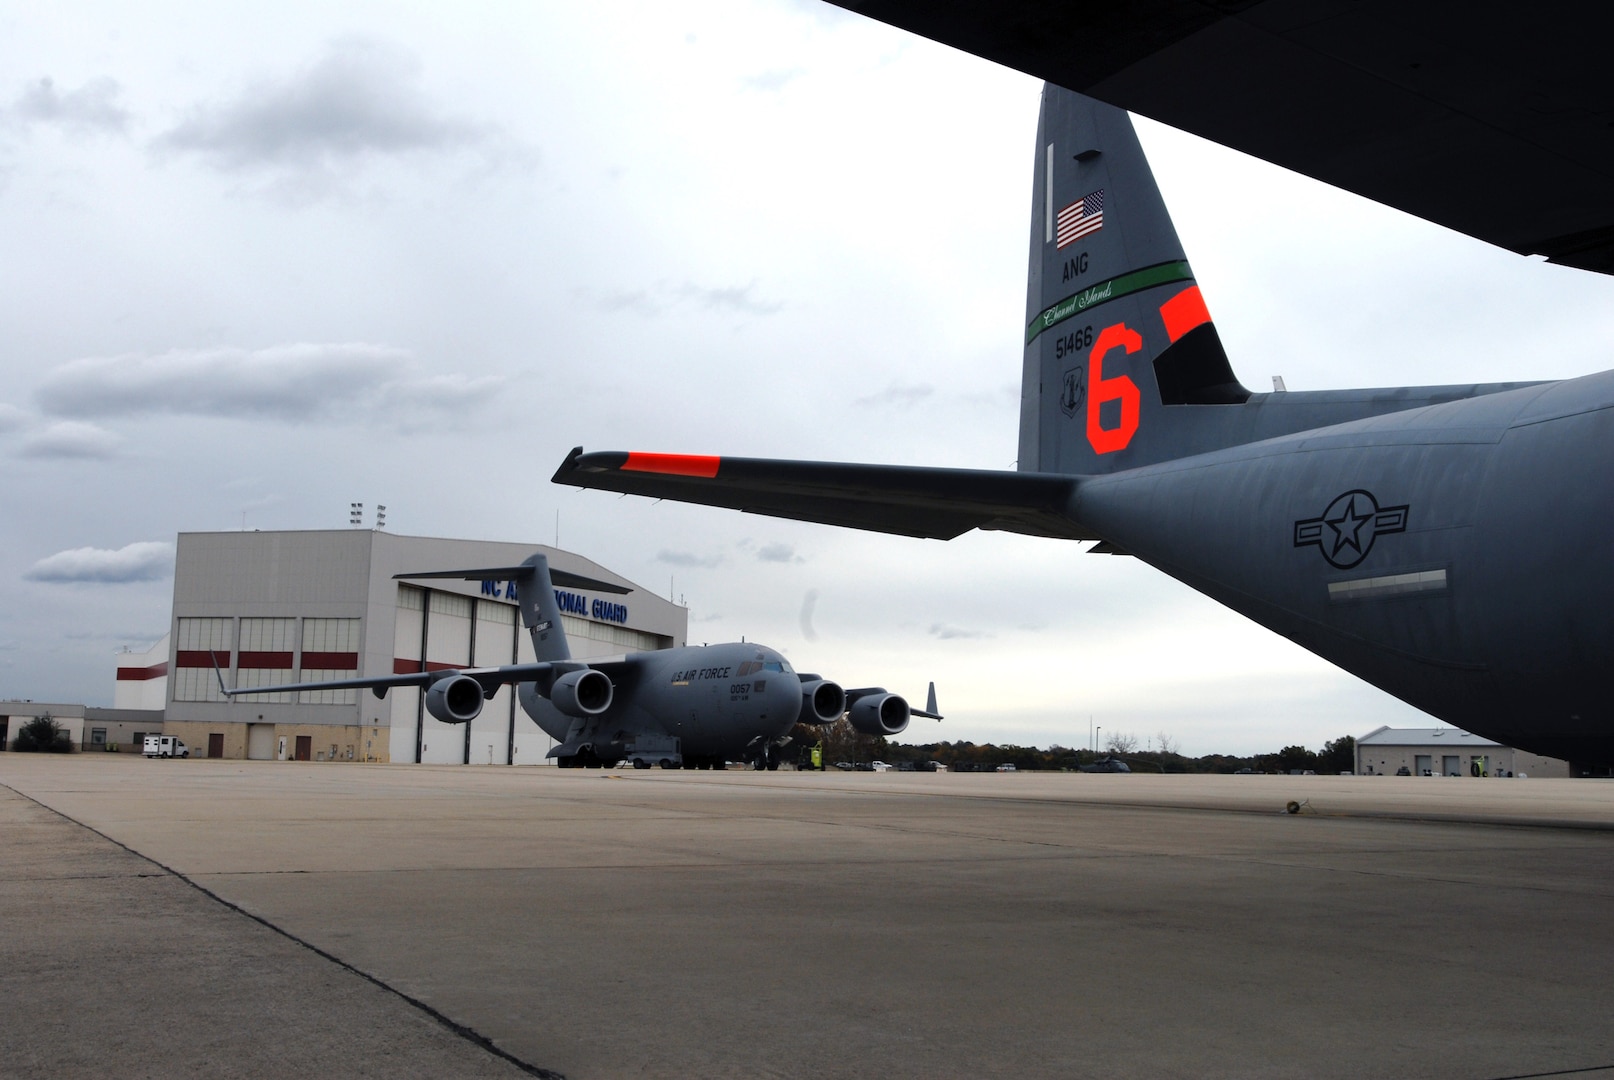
535 594
1117 332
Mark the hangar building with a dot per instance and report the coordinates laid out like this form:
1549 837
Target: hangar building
281 607
1446 752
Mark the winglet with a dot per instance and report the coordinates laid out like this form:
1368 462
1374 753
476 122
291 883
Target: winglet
229 695
930 709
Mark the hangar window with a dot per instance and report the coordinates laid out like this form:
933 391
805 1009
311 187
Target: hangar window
503 614
330 651
265 657
198 644
330 635
444 603
623 638
634 640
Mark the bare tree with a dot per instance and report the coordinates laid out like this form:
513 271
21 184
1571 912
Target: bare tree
1168 744
1120 742
842 742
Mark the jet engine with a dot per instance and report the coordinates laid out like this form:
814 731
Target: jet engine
822 702
456 699
880 714
582 693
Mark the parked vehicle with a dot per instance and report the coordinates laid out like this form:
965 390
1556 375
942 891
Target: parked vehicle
1007 767
165 746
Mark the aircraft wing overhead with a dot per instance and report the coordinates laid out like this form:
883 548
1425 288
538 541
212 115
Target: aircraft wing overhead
487 676
1489 118
935 503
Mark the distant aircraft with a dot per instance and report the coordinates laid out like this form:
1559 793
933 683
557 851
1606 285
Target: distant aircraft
1449 544
690 707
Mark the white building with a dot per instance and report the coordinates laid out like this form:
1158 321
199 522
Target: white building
142 681
281 607
14 714
1448 751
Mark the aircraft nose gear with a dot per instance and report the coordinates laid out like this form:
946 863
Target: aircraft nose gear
766 754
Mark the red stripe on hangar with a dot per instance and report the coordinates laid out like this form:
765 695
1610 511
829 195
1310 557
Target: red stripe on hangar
704 465
330 661
412 667
141 674
201 658
265 661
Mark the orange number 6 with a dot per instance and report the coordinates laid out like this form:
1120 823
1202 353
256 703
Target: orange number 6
1120 388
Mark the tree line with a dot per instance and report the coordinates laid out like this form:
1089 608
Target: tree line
841 742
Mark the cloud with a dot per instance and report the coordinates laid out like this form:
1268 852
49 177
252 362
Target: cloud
688 559
91 109
901 396
772 82
635 299
951 633
361 99
150 560
291 383
451 393
780 553
70 439
729 299
664 296
11 418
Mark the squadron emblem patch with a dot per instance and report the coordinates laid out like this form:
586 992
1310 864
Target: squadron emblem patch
1072 392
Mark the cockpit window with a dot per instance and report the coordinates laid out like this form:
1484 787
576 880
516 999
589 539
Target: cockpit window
777 665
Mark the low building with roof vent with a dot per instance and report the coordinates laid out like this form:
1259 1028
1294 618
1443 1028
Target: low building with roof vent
1446 751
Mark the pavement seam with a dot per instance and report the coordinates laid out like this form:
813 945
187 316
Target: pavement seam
1556 1072
465 1032
1419 817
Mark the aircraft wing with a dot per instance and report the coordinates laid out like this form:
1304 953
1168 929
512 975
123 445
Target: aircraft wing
909 501
489 677
928 712
1492 119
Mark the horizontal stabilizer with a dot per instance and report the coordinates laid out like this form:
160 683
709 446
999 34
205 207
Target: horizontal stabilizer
516 573
905 500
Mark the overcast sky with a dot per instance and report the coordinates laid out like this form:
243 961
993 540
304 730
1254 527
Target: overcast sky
260 262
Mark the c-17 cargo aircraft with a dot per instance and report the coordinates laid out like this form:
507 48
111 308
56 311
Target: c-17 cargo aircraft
691 707
1449 544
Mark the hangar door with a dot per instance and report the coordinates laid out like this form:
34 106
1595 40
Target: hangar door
261 742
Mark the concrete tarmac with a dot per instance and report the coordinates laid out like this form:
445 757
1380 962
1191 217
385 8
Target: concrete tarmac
739 924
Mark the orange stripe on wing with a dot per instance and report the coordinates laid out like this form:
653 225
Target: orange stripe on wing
1183 312
673 464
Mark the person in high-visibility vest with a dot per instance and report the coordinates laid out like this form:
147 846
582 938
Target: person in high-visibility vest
818 756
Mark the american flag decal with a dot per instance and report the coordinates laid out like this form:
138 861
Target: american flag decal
1084 216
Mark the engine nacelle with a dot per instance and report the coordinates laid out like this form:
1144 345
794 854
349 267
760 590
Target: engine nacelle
582 693
822 702
455 700
880 714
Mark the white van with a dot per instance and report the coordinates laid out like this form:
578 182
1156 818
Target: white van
165 746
